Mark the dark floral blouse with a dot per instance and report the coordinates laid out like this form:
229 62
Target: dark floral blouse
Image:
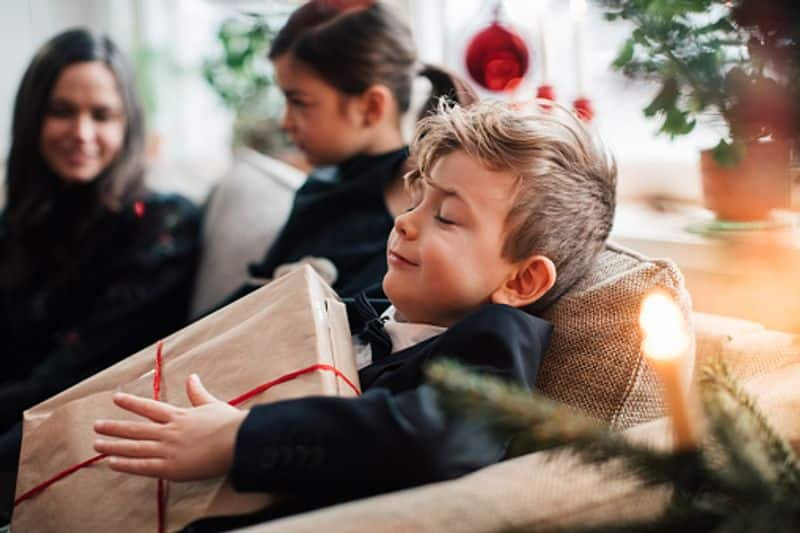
131 290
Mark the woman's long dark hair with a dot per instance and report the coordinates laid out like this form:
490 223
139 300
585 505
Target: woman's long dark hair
44 216
353 44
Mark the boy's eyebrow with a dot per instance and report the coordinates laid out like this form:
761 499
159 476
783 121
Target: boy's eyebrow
449 192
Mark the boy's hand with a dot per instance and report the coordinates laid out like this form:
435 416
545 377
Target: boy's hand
178 444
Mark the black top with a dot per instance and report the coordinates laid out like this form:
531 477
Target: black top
132 289
395 435
343 218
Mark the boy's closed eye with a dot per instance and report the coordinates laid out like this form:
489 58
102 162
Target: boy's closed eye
450 212
441 219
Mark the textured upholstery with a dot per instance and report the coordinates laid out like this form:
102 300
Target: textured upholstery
595 362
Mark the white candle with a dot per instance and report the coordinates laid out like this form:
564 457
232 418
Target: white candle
578 11
666 345
543 45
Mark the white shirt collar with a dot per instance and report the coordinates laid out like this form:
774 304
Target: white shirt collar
402 334
406 334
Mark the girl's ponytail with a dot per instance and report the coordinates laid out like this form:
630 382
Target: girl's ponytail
445 84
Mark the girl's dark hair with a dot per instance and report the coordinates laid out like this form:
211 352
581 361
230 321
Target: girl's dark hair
353 44
34 193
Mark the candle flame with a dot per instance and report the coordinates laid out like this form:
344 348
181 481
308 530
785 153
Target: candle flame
663 326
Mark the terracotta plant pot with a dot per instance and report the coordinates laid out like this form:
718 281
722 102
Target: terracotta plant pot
759 183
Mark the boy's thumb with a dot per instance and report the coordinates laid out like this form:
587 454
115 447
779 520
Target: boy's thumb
197 393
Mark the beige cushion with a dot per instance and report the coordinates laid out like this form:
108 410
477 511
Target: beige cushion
595 362
712 332
765 352
243 217
539 491
778 393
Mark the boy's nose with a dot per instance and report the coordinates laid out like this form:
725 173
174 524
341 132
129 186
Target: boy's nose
405 225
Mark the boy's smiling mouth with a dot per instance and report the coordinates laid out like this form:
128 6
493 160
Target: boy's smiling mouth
398 260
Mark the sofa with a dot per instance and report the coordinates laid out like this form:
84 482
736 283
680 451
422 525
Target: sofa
594 363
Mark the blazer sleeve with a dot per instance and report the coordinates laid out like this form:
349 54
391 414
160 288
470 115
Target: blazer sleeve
384 440
145 298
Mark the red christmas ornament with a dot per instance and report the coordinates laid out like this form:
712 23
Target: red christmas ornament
497 58
546 92
583 108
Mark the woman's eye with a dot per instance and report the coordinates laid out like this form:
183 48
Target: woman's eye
101 115
59 111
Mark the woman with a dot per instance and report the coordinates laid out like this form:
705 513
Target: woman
93 266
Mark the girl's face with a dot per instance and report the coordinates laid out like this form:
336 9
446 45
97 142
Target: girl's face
84 122
325 124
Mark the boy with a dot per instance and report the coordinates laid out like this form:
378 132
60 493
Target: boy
501 203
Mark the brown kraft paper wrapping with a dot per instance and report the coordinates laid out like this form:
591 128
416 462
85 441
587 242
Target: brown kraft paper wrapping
293 323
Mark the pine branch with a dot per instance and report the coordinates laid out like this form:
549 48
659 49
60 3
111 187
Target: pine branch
743 478
760 461
535 422
509 410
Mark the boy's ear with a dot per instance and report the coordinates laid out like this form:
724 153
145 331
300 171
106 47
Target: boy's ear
375 103
527 283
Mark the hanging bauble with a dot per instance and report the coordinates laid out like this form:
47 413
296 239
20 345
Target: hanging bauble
545 96
546 92
584 109
497 58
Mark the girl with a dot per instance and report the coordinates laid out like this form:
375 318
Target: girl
92 265
346 69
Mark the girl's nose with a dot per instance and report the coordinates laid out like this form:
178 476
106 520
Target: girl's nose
287 124
406 225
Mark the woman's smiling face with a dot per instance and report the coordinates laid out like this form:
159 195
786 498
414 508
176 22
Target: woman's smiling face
83 129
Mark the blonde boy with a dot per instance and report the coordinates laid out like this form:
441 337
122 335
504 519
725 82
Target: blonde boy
508 210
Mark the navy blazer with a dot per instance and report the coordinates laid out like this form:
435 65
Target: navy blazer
395 435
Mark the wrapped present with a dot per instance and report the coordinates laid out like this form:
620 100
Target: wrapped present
286 340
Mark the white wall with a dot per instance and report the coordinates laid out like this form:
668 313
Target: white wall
193 127
26 24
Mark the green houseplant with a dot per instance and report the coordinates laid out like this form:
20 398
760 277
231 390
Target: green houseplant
736 64
242 76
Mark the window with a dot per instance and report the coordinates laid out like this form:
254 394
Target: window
649 164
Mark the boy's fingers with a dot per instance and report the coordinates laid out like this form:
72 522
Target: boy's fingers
129 448
128 430
155 411
140 467
197 393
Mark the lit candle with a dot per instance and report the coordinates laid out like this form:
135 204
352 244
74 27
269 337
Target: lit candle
666 346
578 11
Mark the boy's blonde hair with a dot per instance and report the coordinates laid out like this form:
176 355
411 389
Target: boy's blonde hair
565 194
